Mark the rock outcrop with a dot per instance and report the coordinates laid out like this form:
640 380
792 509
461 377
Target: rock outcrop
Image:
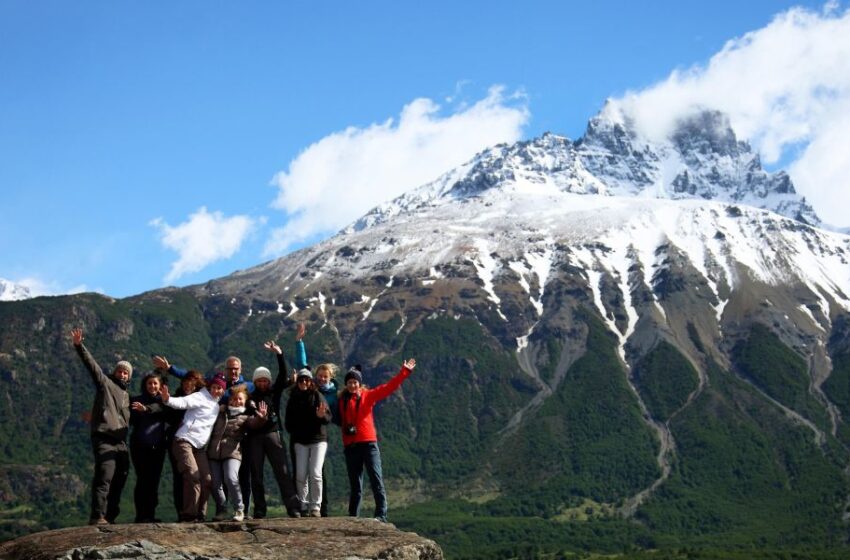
343 538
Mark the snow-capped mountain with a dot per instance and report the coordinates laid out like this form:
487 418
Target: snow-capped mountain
10 291
686 244
701 158
659 328
608 204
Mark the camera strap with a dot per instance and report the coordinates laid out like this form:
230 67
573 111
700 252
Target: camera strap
356 409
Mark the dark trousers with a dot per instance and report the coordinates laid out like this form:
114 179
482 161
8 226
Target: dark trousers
177 485
147 462
324 509
357 456
245 474
269 445
111 467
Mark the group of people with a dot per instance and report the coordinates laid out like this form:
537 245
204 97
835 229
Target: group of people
218 431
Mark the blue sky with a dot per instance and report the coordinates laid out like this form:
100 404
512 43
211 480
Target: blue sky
122 121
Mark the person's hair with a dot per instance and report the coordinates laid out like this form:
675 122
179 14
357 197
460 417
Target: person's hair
344 389
197 379
149 375
235 358
331 368
236 389
311 387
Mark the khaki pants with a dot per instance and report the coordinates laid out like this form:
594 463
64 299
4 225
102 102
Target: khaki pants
197 482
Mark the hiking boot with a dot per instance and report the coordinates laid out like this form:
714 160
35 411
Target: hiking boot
238 516
315 512
294 513
98 521
220 516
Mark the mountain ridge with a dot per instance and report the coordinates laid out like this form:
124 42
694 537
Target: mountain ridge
702 158
593 359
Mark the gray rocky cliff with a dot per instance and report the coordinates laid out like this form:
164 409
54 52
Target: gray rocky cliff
317 539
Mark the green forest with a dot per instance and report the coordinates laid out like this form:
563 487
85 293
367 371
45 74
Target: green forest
746 479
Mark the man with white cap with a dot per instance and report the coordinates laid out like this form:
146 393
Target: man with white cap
267 441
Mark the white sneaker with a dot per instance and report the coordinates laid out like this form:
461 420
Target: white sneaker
239 515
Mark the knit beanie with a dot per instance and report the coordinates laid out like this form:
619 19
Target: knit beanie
126 366
219 380
262 373
305 373
355 372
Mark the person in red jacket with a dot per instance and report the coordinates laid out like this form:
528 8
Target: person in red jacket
360 439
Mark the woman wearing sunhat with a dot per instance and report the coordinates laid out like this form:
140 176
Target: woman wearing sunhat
360 438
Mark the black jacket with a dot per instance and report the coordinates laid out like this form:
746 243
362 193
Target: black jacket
150 428
272 397
302 423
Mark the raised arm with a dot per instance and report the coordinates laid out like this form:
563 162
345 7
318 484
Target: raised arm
283 380
385 390
259 418
300 350
93 368
161 363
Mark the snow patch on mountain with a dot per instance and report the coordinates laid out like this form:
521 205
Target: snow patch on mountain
702 159
486 266
613 204
11 291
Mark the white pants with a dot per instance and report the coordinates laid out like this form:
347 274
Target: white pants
308 474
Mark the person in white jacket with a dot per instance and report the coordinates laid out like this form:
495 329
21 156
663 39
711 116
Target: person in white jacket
189 446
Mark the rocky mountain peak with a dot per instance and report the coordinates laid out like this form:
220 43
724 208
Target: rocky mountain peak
708 132
612 130
700 158
10 291
547 155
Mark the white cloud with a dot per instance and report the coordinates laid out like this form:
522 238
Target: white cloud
345 174
783 86
202 240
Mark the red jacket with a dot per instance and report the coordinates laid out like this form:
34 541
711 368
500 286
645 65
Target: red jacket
361 416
